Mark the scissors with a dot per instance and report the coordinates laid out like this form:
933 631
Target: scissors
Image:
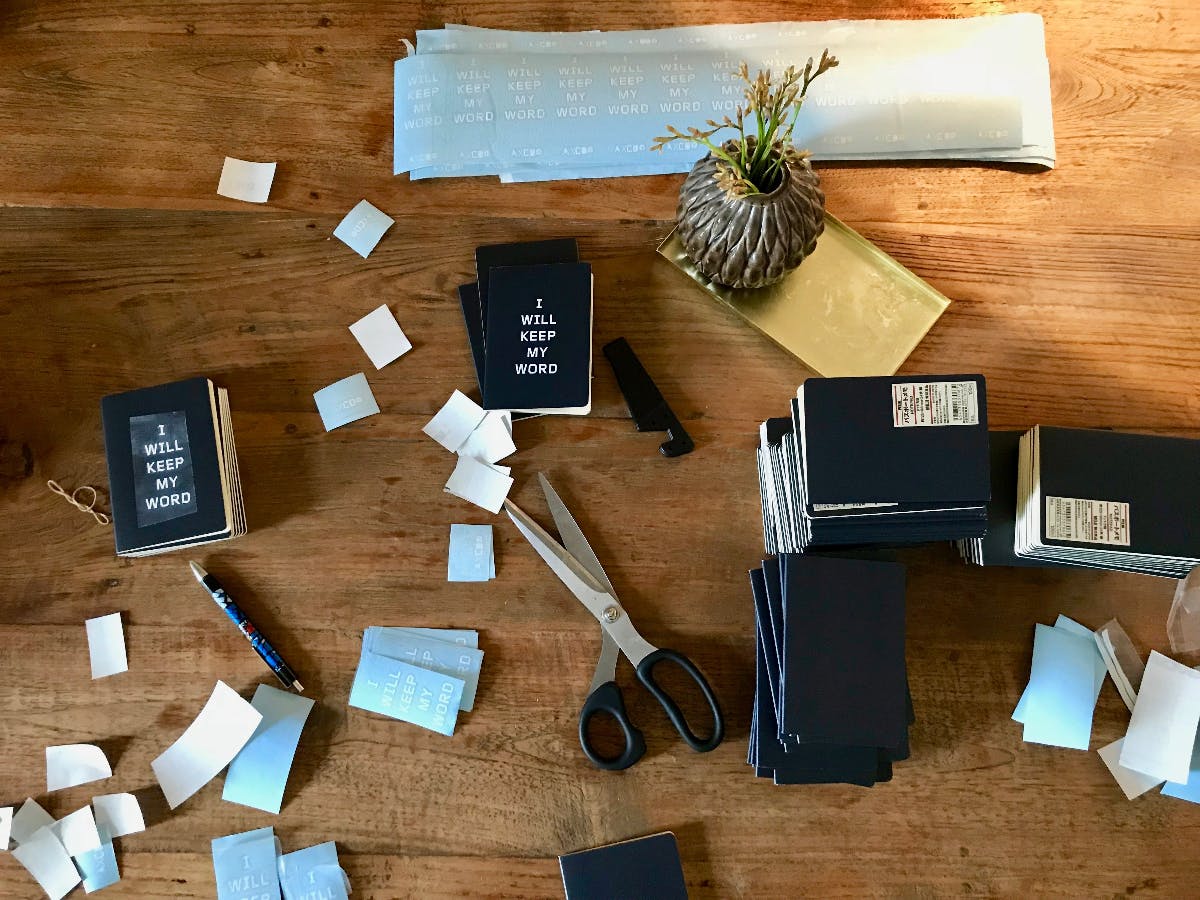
574 562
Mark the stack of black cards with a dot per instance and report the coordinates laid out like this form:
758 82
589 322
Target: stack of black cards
172 467
877 460
529 322
1107 500
831 700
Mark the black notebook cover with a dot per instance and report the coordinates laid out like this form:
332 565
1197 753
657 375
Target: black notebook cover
164 470
1159 477
538 354
523 253
844 672
855 452
638 869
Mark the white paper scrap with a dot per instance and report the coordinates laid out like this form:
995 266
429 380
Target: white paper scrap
106 645
70 764
1165 718
380 336
491 441
78 832
1134 784
118 814
479 483
455 421
49 863
249 181
6 817
207 746
29 820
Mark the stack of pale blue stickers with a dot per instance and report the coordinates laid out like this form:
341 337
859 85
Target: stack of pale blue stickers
472 557
1064 684
253 864
418 675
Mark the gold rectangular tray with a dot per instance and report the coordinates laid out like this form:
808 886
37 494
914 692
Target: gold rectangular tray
848 309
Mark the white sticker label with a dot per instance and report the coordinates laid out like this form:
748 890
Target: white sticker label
935 403
1088 521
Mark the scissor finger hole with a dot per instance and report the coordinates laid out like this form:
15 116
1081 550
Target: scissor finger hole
683 689
605 735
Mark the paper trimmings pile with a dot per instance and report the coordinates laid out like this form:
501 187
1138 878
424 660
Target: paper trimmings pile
78 847
1067 674
423 676
481 438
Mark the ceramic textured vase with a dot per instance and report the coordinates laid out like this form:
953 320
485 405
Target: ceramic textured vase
752 241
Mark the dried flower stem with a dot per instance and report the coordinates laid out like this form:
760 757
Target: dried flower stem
757 164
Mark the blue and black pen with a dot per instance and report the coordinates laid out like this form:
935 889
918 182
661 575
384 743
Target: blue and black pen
260 644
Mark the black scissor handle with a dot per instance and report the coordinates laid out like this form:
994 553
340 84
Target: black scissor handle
645 674
607 699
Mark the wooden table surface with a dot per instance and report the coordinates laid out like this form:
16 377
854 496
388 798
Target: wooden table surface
1075 294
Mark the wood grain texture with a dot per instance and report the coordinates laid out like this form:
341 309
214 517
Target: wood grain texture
1075 295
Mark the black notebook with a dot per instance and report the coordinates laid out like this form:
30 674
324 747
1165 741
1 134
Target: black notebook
522 253
538 348
1110 500
646 868
172 467
916 438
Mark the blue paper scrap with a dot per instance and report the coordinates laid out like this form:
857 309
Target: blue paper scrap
363 228
471 557
432 654
1191 790
345 401
405 692
259 773
313 873
99 867
245 865
1098 664
1061 696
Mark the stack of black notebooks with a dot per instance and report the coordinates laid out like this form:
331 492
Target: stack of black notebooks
1109 500
877 460
831 701
529 323
172 467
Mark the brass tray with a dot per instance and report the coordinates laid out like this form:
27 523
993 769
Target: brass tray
849 309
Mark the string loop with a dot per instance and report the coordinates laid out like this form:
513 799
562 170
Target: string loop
73 499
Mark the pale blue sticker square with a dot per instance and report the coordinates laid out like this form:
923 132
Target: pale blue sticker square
1100 670
313 873
245 865
1191 790
405 692
345 401
470 553
1062 690
362 228
99 867
435 655
259 773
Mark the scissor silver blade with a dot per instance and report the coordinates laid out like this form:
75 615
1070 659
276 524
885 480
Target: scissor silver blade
575 543
599 602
